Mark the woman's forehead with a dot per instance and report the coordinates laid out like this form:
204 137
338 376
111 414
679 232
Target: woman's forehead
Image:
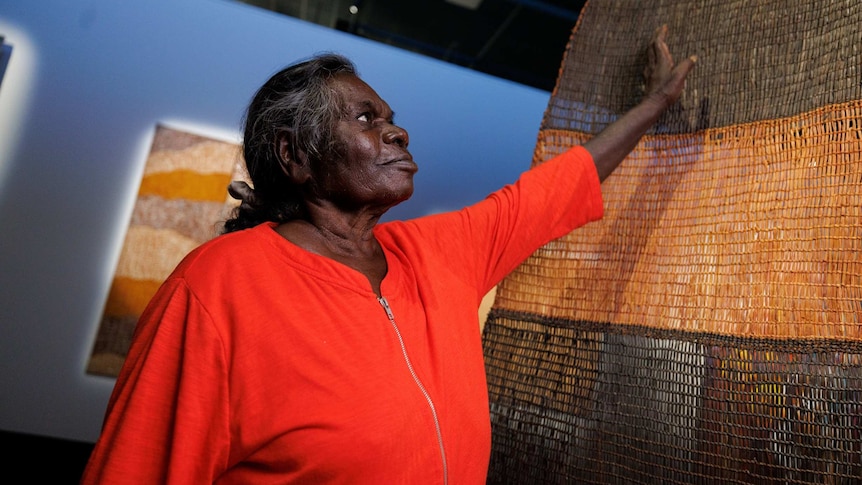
354 92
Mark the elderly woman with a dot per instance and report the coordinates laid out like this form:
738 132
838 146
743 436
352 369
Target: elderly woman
311 344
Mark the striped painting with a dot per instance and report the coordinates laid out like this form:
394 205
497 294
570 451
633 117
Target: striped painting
182 202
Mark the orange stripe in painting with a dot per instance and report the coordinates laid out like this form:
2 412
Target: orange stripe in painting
184 184
129 296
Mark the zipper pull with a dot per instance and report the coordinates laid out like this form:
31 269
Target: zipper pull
385 305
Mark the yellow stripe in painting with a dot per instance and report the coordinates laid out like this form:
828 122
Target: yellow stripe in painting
129 296
184 184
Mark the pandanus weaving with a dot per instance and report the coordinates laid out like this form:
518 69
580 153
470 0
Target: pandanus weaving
709 328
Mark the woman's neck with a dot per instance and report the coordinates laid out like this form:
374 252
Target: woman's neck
349 242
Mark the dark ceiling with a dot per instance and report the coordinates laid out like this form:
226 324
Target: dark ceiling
519 40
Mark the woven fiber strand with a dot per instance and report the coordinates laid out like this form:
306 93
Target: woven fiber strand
709 328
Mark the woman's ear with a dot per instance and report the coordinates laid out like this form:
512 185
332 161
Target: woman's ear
293 162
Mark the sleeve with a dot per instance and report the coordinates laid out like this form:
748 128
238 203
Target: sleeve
500 232
167 419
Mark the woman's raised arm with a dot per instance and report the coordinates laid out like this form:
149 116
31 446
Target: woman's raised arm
664 84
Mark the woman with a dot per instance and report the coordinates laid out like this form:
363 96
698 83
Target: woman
311 344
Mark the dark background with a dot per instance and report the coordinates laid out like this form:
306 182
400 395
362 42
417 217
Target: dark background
518 40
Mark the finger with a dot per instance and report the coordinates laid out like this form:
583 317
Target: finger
677 81
658 52
685 66
660 34
653 42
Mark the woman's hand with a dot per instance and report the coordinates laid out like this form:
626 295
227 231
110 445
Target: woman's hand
664 81
664 84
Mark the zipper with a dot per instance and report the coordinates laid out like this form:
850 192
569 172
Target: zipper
385 305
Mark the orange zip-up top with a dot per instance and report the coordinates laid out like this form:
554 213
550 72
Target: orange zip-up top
259 362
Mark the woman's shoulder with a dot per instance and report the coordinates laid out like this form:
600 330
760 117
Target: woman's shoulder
226 251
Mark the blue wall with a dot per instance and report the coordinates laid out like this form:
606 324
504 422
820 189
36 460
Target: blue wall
88 81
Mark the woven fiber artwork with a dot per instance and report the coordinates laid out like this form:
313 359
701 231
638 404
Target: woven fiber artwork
709 328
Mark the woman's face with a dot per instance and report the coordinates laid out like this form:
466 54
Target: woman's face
370 166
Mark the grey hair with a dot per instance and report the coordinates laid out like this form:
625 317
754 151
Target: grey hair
297 102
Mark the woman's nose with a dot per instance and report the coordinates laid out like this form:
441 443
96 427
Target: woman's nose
396 134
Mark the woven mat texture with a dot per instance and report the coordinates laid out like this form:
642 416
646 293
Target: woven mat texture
709 328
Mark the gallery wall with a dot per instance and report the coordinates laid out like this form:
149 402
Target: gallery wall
87 82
